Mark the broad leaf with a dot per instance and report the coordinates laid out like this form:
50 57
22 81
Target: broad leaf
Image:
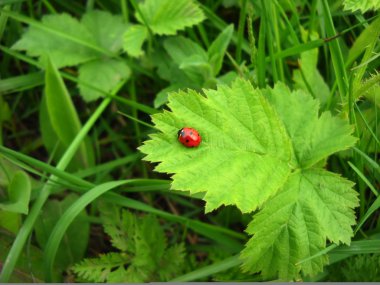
245 148
19 191
133 40
313 205
104 74
166 17
258 153
106 29
63 52
363 5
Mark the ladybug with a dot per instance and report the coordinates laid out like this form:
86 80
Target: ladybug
189 137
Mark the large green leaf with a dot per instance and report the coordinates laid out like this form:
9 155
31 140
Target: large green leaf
63 52
245 148
104 74
259 153
166 17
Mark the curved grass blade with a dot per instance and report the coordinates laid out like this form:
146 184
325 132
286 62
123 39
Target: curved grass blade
68 217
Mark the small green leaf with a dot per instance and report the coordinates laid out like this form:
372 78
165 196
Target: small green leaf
218 48
61 114
166 17
19 191
106 29
104 74
63 52
363 5
133 40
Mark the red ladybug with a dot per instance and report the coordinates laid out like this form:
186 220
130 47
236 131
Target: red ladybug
189 137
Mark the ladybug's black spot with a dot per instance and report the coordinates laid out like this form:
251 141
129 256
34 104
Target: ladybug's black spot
187 141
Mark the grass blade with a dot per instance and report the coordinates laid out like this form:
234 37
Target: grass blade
209 269
68 217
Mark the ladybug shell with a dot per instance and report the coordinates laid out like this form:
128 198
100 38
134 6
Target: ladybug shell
189 137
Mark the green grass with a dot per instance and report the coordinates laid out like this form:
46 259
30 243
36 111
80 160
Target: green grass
64 143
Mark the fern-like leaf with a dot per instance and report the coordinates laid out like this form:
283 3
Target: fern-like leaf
99 269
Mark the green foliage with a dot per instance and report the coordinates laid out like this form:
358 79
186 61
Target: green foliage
18 194
262 154
144 255
75 241
369 35
358 268
63 52
134 38
59 120
69 42
166 17
187 64
271 153
308 78
363 5
29 269
163 17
